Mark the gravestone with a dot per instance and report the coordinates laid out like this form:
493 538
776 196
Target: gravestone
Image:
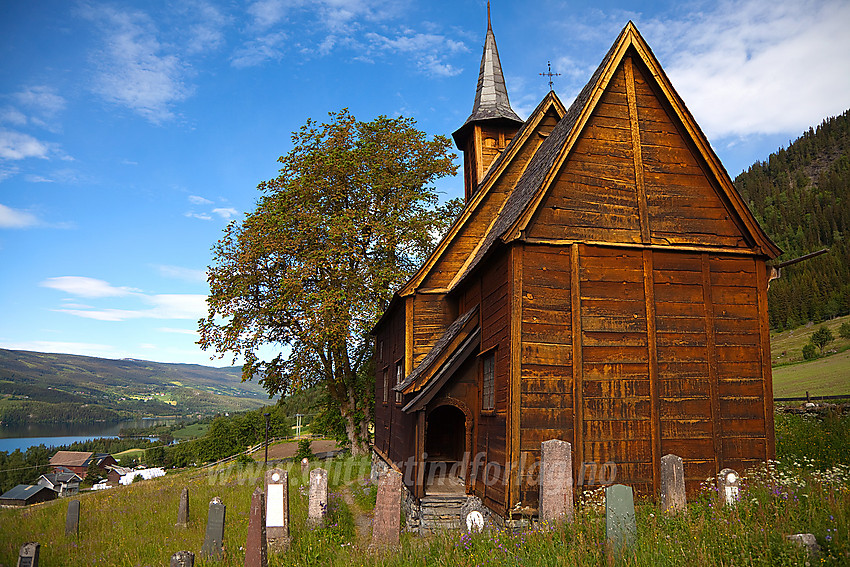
556 481
728 487
305 466
673 498
183 509
214 537
28 556
72 519
277 509
474 515
183 559
620 527
317 503
386 526
256 553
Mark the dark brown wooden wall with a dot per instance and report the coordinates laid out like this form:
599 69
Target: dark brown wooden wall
687 380
394 430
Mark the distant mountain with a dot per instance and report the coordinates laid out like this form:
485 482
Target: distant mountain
801 197
40 387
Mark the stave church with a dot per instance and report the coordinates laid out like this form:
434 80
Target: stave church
604 285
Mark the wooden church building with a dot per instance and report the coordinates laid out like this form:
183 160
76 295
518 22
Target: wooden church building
604 285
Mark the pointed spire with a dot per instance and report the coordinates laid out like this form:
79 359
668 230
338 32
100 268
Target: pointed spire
491 96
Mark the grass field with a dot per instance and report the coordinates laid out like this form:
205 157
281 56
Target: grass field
134 525
826 376
192 431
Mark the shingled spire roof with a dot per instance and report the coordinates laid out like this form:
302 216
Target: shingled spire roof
491 96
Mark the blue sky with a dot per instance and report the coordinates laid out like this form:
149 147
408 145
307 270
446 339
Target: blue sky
132 132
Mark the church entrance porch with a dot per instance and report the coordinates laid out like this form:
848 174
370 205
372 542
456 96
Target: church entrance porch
445 449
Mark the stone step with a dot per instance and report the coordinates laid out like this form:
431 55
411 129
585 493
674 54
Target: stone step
439 513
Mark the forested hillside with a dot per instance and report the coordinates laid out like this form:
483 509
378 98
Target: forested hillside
801 197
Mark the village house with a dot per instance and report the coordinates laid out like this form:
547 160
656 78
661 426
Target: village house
78 462
64 483
604 285
26 494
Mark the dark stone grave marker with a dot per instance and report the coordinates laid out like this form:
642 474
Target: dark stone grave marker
214 538
72 519
183 509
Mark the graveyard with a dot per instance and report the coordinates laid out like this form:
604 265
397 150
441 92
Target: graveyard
146 524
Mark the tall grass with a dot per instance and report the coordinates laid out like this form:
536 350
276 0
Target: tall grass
134 525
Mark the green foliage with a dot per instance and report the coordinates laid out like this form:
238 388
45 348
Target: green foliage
23 467
349 219
93 473
801 197
809 351
844 330
304 450
822 337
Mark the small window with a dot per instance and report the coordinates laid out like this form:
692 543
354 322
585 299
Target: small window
381 351
386 383
399 376
488 381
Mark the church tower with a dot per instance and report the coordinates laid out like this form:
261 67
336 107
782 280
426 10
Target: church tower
492 124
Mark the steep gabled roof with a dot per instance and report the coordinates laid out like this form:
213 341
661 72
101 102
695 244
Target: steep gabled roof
521 204
24 492
549 102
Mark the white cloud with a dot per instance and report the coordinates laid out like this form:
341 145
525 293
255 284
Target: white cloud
226 213
12 115
428 50
163 306
86 287
181 273
42 99
135 70
172 330
201 216
16 218
747 68
258 50
17 146
196 200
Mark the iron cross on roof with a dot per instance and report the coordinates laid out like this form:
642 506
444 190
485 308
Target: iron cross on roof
550 74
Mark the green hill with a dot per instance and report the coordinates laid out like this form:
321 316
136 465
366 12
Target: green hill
801 197
39 387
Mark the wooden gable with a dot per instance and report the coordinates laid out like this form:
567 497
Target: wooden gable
629 165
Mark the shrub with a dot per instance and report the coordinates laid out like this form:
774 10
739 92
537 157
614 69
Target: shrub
844 330
809 352
304 450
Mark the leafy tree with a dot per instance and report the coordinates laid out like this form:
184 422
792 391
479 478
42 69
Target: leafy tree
844 330
822 337
346 222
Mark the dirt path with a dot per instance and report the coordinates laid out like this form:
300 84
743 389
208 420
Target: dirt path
362 520
287 449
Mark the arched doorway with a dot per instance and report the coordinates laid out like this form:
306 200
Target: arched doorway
445 446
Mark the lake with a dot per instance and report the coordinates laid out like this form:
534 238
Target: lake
24 436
